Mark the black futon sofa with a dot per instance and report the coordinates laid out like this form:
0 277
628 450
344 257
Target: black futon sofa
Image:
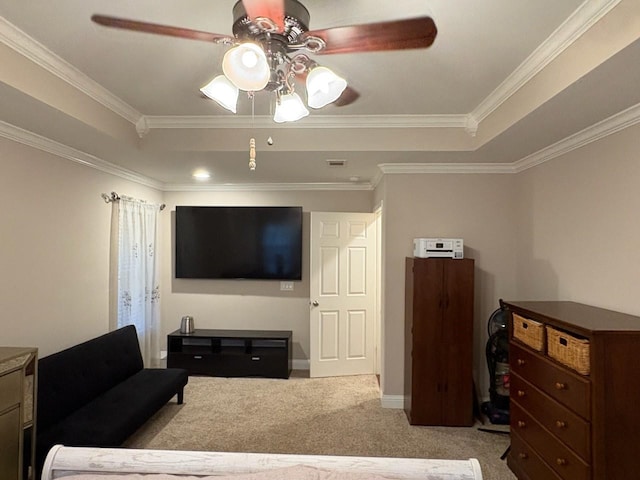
97 393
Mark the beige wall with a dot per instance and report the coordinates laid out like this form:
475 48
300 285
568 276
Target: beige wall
579 225
477 208
54 248
250 304
566 229
54 256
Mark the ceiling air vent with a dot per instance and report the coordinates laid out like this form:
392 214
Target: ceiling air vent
336 163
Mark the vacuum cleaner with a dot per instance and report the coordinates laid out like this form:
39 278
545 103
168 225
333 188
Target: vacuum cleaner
497 353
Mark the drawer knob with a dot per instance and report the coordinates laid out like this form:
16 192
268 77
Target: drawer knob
561 424
561 386
521 424
561 461
521 393
523 456
520 362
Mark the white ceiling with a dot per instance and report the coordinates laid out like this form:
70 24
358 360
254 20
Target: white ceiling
504 81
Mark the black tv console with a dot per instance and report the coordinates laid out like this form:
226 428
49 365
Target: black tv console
231 353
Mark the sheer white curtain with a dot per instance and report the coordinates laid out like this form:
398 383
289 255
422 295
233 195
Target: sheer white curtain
136 273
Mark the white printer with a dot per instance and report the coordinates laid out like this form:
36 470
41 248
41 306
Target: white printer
438 247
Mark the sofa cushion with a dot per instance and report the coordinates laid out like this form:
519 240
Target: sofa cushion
69 379
108 420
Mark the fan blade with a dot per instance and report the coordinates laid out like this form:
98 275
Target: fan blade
372 37
271 9
145 27
347 97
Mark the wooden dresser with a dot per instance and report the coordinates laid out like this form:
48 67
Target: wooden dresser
438 384
18 368
567 425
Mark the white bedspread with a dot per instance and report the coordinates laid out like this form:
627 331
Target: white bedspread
296 472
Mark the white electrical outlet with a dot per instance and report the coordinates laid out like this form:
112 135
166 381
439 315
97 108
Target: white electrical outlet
286 286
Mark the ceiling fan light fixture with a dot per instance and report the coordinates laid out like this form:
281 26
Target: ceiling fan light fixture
323 87
247 67
223 92
290 108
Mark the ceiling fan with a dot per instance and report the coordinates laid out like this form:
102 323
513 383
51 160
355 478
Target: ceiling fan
271 44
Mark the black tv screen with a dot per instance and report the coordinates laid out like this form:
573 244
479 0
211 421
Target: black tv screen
239 242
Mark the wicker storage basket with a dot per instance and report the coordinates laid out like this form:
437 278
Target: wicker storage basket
568 350
528 331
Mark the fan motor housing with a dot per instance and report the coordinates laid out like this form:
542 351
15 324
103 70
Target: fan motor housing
296 23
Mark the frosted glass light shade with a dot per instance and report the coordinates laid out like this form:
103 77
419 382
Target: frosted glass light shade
290 109
222 91
323 87
247 67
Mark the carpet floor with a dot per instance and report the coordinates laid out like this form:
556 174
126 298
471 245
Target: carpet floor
317 416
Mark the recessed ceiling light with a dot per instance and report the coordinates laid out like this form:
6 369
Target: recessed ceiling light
201 175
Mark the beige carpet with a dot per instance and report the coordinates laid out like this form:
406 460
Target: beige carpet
329 416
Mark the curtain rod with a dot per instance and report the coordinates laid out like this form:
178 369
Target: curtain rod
114 197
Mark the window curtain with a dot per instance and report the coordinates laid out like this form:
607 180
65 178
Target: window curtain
135 273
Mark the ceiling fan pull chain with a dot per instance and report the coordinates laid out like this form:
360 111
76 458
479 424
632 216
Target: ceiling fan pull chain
252 141
252 154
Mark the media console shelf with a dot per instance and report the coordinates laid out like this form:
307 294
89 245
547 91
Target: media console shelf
231 353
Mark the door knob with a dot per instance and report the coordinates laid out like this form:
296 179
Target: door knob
315 303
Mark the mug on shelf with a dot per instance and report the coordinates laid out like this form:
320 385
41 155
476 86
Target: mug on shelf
187 326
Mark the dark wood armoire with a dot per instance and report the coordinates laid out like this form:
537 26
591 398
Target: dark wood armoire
438 384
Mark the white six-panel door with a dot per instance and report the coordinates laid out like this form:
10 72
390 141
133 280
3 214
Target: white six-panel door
342 310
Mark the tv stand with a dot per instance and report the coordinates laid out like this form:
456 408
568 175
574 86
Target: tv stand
231 353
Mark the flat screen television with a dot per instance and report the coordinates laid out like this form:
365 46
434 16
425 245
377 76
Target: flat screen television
239 242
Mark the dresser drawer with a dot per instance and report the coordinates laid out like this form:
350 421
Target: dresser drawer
10 389
196 364
524 461
559 457
568 388
559 420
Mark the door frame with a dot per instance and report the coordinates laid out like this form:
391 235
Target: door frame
375 230
377 333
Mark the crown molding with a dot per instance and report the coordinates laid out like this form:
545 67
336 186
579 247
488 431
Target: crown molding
45 58
265 187
565 35
581 20
314 122
39 142
604 128
609 126
142 127
34 140
377 178
411 168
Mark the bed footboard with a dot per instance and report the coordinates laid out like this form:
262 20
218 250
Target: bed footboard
63 461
